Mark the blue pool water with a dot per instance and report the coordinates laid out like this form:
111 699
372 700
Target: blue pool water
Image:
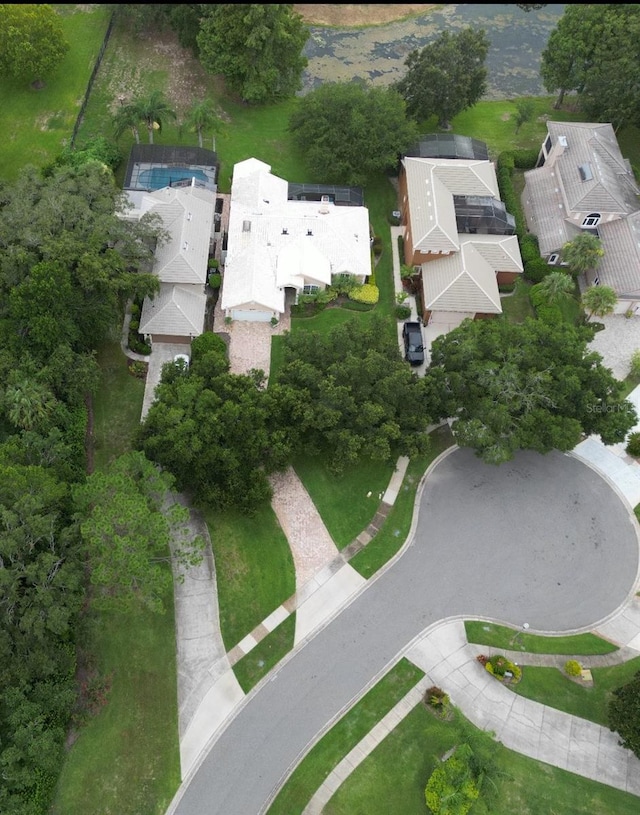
159 177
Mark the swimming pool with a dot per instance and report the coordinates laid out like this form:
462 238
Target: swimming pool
158 177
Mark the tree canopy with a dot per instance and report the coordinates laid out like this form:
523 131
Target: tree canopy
32 41
624 714
256 47
583 253
447 76
533 385
132 530
593 51
599 300
358 398
347 131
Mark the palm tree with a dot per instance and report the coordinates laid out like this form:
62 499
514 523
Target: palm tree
599 300
583 253
28 403
555 287
127 118
201 117
152 110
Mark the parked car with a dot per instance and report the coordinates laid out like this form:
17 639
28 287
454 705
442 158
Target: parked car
413 343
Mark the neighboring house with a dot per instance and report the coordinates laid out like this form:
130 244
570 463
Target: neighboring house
457 232
287 240
582 182
176 314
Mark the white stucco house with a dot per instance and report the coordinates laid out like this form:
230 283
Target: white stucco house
279 248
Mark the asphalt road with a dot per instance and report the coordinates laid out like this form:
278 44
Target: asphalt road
542 540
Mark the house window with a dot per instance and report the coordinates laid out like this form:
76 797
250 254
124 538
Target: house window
310 289
596 281
547 144
553 259
593 219
585 171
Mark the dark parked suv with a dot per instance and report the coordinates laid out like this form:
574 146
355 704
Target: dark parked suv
413 343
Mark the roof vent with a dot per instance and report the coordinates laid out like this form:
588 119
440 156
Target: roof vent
585 171
246 226
309 232
285 231
562 141
189 216
325 199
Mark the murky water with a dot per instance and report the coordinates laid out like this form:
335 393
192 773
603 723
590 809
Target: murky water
378 54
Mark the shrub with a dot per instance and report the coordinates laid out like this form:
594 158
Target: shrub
365 294
525 159
215 280
138 369
214 263
403 312
506 288
529 248
536 270
401 248
377 245
343 283
134 325
436 698
548 312
633 444
135 310
499 665
352 305
572 667
635 364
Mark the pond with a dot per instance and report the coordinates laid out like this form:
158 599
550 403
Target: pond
378 53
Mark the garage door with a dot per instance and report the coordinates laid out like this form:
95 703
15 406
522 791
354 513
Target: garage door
251 316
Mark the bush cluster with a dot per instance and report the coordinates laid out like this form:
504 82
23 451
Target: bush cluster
633 444
572 667
499 665
367 293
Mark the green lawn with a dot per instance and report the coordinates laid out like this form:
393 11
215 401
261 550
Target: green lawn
392 779
117 406
37 124
331 749
396 527
343 501
550 686
517 306
254 569
514 639
266 655
126 759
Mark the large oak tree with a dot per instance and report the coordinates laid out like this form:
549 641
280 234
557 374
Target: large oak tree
534 386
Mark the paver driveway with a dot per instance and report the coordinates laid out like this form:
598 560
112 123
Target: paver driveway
542 540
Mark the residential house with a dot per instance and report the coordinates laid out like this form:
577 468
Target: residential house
457 233
285 240
582 183
176 314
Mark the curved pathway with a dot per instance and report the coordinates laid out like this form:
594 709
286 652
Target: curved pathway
489 542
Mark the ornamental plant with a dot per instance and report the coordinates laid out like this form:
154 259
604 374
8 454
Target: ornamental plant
365 294
572 667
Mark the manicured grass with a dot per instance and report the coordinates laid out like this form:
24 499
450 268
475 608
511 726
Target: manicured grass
117 406
126 759
513 639
396 527
37 124
343 500
330 750
392 779
550 686
267 653
254 569
516 307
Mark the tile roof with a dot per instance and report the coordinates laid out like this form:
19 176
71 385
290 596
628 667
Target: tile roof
176 311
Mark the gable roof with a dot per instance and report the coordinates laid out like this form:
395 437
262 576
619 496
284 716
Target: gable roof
175 311
620 264
466 281
187 215
431 185
274 242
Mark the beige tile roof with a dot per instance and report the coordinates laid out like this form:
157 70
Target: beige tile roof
431 185
187 215
465 281
620 265
545 211
175 311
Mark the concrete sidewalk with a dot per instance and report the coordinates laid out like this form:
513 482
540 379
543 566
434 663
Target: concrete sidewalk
535 730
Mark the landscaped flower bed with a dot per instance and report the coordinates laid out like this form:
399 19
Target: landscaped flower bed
501 667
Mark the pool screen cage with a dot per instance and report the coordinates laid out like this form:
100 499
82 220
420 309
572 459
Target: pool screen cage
157 157
340 196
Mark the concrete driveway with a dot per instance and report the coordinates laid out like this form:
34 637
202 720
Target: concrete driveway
542 540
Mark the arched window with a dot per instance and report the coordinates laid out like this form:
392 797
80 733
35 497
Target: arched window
592 219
